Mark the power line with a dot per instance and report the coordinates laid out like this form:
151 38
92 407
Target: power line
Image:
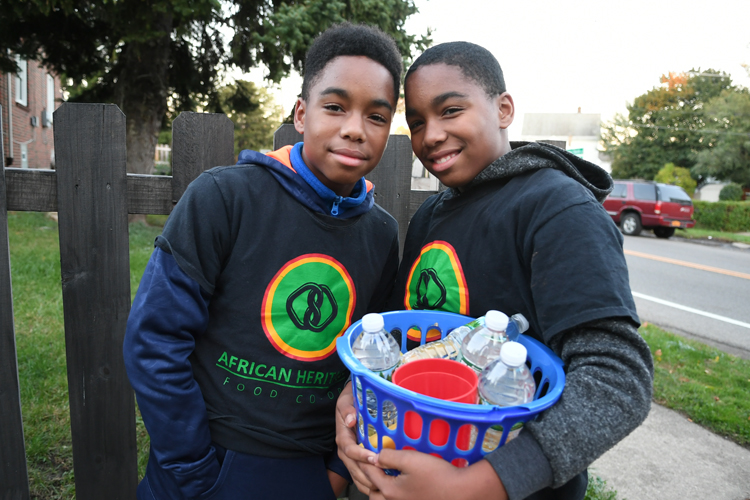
679 129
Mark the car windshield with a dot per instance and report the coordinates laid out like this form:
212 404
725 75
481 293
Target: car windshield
673 193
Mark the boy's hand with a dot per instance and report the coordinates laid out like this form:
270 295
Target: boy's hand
426 477
346 439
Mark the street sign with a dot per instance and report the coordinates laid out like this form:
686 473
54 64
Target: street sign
577 151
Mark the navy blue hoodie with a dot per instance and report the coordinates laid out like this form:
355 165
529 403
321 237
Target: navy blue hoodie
231 337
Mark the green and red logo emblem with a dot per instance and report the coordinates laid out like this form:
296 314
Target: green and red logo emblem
436 282
307 306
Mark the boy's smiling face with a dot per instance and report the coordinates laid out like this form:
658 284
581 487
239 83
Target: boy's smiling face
457 129
346 121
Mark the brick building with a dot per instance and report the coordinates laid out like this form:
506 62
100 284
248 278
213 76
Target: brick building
28 99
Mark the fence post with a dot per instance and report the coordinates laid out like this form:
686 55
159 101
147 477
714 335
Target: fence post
286 135
95 268
199 141
392 180
14 481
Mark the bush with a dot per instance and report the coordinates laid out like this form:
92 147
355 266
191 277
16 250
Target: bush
729 216
731 192
677 176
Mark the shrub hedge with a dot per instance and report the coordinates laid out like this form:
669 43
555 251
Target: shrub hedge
729 216
731 192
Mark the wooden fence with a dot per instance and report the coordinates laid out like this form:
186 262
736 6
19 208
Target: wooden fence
93 195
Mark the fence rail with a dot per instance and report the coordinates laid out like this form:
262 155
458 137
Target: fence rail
93 196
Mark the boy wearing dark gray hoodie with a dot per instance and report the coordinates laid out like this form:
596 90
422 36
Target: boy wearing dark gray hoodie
521 230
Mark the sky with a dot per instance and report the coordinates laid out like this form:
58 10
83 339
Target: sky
597 55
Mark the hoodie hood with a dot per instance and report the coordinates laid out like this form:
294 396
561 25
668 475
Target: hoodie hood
289 169
527 157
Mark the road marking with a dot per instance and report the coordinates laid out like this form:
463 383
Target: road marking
688 264
691 310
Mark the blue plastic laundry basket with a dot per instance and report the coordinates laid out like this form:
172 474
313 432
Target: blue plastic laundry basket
546 367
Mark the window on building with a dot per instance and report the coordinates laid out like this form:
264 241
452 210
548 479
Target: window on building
22 79
50 96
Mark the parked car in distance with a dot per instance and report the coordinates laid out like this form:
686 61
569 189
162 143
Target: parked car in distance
635 205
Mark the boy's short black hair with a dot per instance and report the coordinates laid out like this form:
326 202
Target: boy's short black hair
347 39
475 62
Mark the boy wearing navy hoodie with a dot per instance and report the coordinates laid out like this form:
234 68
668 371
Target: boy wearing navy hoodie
521 230
231 340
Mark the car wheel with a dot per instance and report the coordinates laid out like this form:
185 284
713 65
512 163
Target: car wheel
663 232
630 224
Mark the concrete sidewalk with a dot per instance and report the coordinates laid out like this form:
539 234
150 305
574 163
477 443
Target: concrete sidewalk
670 458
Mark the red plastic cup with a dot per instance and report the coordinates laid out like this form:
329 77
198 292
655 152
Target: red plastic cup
442 379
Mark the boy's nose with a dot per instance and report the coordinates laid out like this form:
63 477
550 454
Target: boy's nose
433 134
353 128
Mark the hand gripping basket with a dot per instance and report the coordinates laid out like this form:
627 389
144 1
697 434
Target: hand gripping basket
546 367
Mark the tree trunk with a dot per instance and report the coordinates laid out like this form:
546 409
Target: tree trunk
141 92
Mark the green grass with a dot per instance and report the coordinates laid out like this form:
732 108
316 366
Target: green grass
40 345
705 234
598 489
709 386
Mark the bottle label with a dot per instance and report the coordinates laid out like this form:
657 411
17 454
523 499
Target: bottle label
512 433
471 365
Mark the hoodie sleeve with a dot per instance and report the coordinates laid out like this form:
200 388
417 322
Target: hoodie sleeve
168 312
607 395
585 312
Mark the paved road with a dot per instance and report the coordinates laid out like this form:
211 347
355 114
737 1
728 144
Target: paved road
700 291
697 290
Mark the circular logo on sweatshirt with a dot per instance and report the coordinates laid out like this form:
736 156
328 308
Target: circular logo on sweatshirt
308 305
436 281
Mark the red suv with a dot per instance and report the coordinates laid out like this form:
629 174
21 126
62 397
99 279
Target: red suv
635 205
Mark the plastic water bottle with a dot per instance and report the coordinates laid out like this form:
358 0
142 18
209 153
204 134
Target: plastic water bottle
506 381
446 348
482 345
450 346
516 326
379 352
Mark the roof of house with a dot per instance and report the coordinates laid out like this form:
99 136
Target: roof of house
562 124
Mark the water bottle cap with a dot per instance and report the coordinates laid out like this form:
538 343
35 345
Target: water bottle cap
521 321
513 354
372 322
496 320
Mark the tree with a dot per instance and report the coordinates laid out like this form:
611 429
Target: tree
254 113
729 158
146 55
664 125
677 176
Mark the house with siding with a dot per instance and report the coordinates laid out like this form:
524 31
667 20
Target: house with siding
28 99
579 133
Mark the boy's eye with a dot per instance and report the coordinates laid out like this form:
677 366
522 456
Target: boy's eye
333 107
415 125
452 110
379 118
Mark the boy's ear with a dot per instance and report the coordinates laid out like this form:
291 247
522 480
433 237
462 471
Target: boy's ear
299 116
506 109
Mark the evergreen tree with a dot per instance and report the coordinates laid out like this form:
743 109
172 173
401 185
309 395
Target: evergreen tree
146 56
